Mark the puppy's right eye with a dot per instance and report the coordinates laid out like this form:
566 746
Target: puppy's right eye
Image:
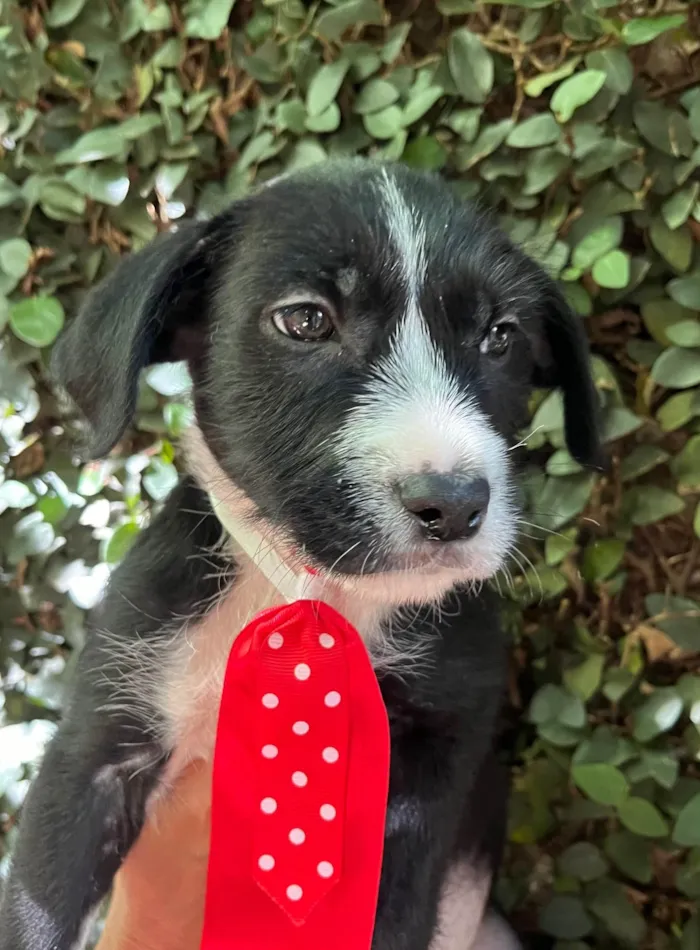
308 322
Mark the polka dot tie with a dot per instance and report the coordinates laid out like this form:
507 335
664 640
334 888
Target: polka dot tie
301 770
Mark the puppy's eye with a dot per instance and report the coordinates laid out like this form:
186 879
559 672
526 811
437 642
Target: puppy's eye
499 338
308 322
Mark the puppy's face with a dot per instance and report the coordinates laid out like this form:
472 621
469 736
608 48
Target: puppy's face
363 345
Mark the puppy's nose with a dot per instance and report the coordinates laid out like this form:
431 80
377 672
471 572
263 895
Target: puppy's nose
447 507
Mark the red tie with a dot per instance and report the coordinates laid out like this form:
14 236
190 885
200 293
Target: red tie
301 771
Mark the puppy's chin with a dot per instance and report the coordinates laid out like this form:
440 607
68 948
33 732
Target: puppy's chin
397 588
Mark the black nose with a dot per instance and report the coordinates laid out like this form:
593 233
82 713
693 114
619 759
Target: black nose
447 507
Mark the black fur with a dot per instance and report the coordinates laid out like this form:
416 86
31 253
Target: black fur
267 407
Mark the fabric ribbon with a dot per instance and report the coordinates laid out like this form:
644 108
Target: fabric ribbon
300 784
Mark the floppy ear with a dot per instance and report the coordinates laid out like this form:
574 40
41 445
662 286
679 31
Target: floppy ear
131 319
565 363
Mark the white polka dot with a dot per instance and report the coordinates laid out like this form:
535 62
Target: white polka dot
328 812
300 728
268 805
325 869
297 836
330 755
326 641
294 892
275 641
332 699
266 862
270 701
302 671
300 779
270 751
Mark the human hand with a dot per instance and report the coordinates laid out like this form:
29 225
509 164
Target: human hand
158 897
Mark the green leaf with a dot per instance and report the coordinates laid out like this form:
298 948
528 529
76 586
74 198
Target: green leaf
333 23
178 416
37 320
575 92
384 124
533 132
425 152
471 66
63 12
15 255
565 918
487 142
107 182
535 87
421 103
120 542
677 209
105 142
553 704
645 29
662 768
160 479
664 128
616 65
584 679
675 246
606 237
375 95
647 504
612 270
686 291
678 410
685 333
631 854
169 379
583 861
686 831
605 784
677 368
206 19
14 494
325 85
677 617
602 558
659 713
9 192
642 459
686 466
609 902
642 818
661 314
327 121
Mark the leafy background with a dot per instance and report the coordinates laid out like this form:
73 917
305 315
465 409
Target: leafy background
580 122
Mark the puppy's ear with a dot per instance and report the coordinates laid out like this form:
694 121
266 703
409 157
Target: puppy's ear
564 361
131 319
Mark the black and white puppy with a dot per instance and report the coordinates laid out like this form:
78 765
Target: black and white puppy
362 346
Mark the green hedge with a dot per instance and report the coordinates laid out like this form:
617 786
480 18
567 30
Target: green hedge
580 122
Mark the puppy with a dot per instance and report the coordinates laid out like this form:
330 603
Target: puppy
362 345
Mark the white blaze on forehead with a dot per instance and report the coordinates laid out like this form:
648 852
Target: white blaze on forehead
414 415
407 234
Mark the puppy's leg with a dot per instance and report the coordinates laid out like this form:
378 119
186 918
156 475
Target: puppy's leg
82 814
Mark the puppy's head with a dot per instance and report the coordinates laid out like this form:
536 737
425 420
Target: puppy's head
362 345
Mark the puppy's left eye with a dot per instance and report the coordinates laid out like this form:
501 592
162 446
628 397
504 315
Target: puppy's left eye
308 322
499 338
